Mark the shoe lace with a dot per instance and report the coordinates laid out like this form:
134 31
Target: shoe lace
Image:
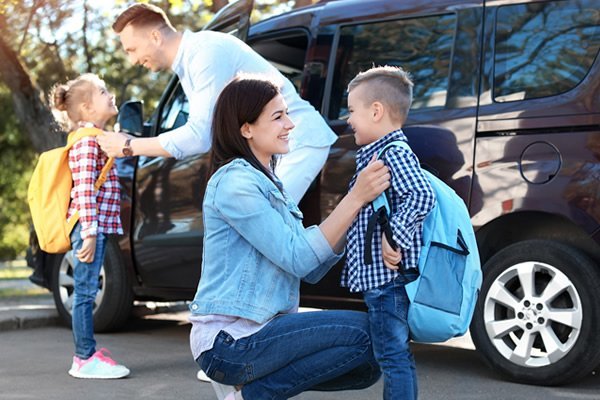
104 355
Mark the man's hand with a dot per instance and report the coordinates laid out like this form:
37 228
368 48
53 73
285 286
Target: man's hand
112 143
88 250
391 257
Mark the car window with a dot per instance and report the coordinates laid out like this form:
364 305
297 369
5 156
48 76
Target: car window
175 112
422 46
544 49
287 52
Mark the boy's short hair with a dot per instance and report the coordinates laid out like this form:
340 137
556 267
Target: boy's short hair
389 85
141 15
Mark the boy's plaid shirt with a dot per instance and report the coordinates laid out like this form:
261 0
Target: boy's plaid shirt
411 198
99 212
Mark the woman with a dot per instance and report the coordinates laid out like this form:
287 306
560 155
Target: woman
246 330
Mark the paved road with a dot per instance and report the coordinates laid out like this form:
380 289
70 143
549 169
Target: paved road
33 365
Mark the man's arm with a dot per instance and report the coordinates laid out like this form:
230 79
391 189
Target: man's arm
112 143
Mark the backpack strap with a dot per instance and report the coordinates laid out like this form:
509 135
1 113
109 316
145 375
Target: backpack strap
381 213
103 174
379 217
81 133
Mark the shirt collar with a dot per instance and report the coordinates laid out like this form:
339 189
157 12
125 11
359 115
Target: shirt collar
365 153
86 124
176 66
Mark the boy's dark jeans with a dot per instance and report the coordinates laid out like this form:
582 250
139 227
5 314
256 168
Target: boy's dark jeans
388 310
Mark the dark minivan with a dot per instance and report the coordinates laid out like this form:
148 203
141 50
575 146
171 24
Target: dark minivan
506 111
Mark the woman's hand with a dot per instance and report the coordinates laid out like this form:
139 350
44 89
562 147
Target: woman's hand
88 250
371 181
391 257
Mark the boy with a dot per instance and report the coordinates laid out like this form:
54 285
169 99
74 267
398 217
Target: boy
378 103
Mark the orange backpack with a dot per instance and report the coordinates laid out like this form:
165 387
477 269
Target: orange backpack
49 194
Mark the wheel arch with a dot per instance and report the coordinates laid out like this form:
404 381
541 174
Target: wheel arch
526 225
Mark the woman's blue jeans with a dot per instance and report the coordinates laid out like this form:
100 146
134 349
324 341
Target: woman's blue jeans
322 350
86 277
388 313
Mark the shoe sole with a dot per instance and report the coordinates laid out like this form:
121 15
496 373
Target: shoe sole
76 374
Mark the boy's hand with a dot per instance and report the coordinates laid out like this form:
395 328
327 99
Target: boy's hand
88 250
391 257
371 181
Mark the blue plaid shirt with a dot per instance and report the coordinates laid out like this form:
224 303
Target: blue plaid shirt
411 198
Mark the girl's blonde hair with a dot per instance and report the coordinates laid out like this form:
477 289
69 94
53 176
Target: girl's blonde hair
66 98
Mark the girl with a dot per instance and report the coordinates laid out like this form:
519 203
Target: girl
246 330
87 103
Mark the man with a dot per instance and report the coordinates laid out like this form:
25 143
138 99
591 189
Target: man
205 62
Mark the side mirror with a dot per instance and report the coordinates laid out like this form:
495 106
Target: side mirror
131 117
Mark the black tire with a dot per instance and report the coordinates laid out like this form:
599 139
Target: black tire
506 316
114 300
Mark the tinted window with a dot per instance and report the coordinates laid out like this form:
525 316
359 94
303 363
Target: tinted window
175 112
544 49
287 53
422 46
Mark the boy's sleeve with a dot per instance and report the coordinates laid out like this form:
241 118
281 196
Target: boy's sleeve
83 161
412 187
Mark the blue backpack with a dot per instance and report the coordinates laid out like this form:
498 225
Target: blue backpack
443 297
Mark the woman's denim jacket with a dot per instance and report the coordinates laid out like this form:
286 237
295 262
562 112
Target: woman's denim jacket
256 249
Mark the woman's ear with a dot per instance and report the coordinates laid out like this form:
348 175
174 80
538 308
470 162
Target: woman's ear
246 131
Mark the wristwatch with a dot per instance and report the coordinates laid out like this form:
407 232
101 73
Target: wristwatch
127 150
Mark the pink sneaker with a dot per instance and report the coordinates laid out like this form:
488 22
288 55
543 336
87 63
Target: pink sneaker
98 366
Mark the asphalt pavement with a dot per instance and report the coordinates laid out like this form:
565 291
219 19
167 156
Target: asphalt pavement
155 346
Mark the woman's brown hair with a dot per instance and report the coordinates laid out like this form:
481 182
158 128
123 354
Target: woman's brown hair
241 101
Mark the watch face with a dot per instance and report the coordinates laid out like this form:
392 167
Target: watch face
127 151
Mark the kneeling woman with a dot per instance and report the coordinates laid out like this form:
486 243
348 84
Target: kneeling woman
246 329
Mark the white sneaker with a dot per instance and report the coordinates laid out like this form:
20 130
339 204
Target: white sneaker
201 375
234 396
222 391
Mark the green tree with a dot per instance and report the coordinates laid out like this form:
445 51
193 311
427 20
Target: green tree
16 161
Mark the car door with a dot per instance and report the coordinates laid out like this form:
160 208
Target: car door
439 45
167 229
538 114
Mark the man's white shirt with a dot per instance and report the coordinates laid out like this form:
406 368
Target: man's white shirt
205 62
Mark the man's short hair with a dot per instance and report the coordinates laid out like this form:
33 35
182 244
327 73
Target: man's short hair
141 15
389 85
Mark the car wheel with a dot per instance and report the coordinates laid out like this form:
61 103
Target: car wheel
114 299
538 313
